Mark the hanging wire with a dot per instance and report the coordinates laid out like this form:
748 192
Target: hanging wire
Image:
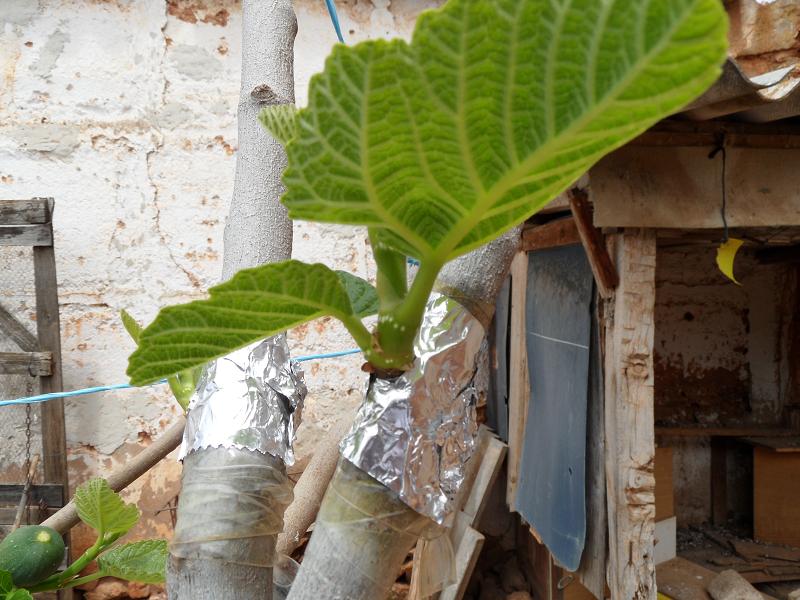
334 19
125 386
720 148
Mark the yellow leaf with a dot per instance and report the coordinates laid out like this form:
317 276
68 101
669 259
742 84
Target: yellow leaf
726 253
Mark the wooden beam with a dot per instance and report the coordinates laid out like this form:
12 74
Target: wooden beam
26 235
630 449
50 494
18 333
54 440
38 364
518 387
20 212
707 134
724 432
786 254
605 274
560 232
682 188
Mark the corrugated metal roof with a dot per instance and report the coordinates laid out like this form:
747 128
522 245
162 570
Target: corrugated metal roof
736 97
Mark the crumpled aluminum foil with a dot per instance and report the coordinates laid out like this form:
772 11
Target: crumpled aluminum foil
414 433
250 399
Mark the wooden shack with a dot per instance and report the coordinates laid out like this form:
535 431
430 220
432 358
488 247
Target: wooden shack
644 395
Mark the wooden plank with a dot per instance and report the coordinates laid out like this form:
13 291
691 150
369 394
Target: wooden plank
603 269
51 494
681 188
724 432
681 579
19 212
560 232
629 326
39 364
664 491
776 488
518 388
752 551
54 441
719 481
592 571
7 514
26 235
481 474
15 330
776 444
493 455
468 549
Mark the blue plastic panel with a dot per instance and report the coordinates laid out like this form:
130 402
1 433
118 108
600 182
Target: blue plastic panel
552 485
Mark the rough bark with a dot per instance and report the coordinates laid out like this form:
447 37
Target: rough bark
364 532
257 231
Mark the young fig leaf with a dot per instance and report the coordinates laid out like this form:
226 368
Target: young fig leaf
131 325
102 509
492 109
255 304
144 561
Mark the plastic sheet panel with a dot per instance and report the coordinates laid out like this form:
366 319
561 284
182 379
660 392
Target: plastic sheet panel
552 486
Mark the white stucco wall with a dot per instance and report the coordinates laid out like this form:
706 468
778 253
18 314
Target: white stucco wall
125 112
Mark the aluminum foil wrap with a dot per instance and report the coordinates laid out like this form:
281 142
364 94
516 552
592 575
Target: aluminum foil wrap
414 433
250 399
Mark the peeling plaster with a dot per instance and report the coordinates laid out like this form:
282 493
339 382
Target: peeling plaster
50 53
57 140
195 62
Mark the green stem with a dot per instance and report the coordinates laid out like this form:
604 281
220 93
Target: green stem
85 579
59 580
391 278
183 385
398 328
360 333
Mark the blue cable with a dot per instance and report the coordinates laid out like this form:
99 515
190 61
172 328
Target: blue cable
334 19
125 386
83 392
327 355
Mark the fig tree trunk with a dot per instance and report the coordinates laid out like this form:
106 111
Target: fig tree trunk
221 483
364 531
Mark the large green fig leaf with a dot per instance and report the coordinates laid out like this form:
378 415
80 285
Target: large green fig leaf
255 304
494 108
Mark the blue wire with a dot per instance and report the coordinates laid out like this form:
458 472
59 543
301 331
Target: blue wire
335 19
327 355
125 386
83 392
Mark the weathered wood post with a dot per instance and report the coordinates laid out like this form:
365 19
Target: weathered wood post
628 346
